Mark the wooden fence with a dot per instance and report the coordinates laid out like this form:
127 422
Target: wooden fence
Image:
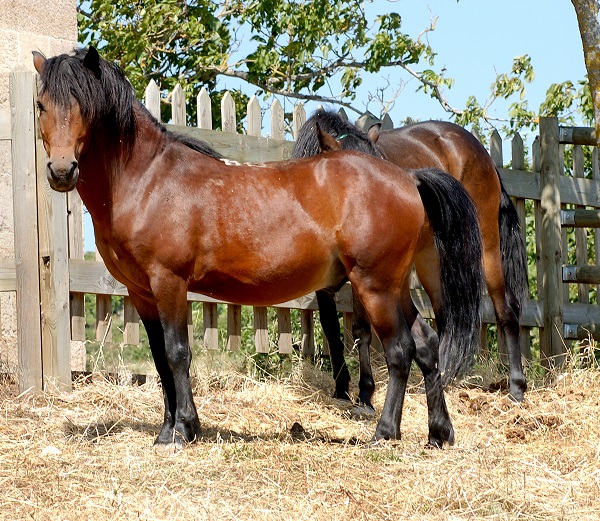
50 276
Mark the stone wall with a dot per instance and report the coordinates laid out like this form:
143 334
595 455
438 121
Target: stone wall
48 26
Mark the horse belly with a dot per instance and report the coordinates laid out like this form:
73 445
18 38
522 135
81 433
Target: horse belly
265 280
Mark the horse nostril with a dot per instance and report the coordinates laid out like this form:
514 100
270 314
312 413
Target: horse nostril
73 167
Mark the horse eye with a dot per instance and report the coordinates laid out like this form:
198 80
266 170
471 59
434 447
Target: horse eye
40 107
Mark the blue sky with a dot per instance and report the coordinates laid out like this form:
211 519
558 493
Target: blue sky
475 40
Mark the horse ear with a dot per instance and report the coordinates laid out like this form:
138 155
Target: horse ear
92 62
39 61
327 141
373 132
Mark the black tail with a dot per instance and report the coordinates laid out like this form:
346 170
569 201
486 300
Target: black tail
512 248
453 218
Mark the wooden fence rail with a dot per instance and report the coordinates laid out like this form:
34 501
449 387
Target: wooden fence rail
51 278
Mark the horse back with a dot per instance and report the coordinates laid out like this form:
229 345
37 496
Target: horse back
442 145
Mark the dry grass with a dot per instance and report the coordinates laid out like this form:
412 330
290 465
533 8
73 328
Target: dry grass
285 450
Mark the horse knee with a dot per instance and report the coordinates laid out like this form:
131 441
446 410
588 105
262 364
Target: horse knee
399 357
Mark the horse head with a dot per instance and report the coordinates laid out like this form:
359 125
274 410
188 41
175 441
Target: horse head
65 132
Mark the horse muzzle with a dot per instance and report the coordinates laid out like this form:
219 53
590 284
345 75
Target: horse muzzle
62 176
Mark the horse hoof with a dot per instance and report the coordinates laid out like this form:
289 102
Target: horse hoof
167 450
363 412
516 395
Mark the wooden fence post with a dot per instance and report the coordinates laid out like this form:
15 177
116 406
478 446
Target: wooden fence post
277 125
204 112
284 330
178 116
152 99
29 345
75 217
551 342
518 163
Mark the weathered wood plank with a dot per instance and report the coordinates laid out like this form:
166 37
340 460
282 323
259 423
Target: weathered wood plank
75 218
254 118
261 330
496 155
583 290
178 112
240 147
298 119
518 162
211 325
204 111
308 332
277 120
8 275
152 99
29 344
577 135
104 319
284 331
234 327
581 274
5 123
572 191
580 218
228 118
131 323
551 343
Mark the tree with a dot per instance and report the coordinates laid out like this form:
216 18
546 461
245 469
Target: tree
587 18
301 50
305 50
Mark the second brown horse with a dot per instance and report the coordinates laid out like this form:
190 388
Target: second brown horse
448 147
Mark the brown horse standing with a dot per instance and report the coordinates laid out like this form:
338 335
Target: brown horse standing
448 147
170 216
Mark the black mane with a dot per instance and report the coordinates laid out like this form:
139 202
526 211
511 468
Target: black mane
349 136
107 100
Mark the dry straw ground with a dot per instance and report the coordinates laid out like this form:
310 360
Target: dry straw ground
283 449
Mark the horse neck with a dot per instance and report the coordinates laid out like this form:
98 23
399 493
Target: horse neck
106 170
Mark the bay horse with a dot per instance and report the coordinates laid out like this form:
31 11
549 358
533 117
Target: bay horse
170 215
448 147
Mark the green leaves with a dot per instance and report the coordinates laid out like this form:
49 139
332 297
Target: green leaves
296 48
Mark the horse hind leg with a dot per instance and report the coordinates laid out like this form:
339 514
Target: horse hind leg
426 357
361 331
385 312
507 312
331 329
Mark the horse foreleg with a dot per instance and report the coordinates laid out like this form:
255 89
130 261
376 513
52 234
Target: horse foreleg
361 331
156 337
331 329
170 294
